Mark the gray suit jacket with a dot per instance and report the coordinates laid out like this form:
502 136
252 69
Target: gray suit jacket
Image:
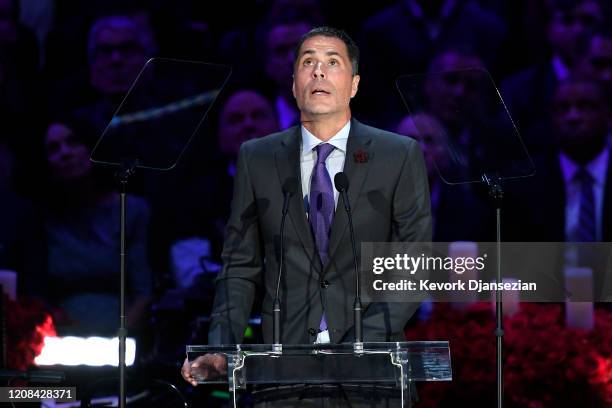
389 197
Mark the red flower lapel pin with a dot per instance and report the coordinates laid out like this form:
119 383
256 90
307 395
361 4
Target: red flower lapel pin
360 156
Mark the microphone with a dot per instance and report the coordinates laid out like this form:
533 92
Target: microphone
342 184
289 188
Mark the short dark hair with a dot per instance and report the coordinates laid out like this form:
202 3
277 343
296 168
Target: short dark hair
351 46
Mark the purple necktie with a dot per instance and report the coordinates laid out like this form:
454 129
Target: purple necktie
587 230
321 207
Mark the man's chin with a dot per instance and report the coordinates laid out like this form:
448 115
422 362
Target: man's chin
319 110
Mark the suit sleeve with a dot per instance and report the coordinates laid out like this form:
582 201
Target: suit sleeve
411 223
242 262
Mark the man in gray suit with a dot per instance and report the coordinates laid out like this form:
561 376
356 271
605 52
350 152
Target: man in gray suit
388 195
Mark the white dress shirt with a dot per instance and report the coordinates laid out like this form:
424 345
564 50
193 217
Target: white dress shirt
334 162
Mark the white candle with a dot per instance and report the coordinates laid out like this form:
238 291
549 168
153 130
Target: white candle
510 299
579 283
463 249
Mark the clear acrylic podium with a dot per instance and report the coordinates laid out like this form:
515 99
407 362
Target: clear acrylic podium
393 364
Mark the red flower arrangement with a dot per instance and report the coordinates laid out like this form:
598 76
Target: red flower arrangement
545 363
27 325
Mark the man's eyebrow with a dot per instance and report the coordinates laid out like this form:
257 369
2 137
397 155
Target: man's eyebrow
327 53
308 52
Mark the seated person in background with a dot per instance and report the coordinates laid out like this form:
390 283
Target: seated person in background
457 213
408 34
117 49
450 86
82 231
596 61
200 200
282 37
579 116
528 92
570 197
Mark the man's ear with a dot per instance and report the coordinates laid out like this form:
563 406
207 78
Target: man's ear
293 86
355 85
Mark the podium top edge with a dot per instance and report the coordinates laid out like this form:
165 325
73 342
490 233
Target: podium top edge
342 347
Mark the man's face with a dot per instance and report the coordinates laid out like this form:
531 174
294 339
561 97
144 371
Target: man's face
282 40
432 137
246 115
117 59
579 115
67 156
323 83
598 61
568 27
455 90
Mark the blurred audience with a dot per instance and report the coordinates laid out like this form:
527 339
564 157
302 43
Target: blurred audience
283 37
454 93
403 38
75 61
245 46
246 114
596 60
199 204
117 48
527 93
21 234
570 197
548 205
458 214
17 41
82 233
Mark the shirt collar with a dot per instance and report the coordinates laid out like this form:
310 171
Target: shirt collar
339 140
596 167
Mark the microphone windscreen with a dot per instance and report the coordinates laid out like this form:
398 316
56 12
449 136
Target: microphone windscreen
341 182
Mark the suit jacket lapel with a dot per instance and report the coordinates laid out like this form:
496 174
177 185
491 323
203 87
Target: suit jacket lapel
607 203
557 197
287 159
356 166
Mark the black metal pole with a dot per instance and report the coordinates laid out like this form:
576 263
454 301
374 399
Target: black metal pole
123 174
496 193
122 334
499 330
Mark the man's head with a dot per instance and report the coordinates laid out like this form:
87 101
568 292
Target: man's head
580 118
245 115
325 73
569 22
67 147
281 42
596 62
452 87
432 137
118 47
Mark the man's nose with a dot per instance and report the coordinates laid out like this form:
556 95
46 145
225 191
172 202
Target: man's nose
249 122
318 71
574 114
64 151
